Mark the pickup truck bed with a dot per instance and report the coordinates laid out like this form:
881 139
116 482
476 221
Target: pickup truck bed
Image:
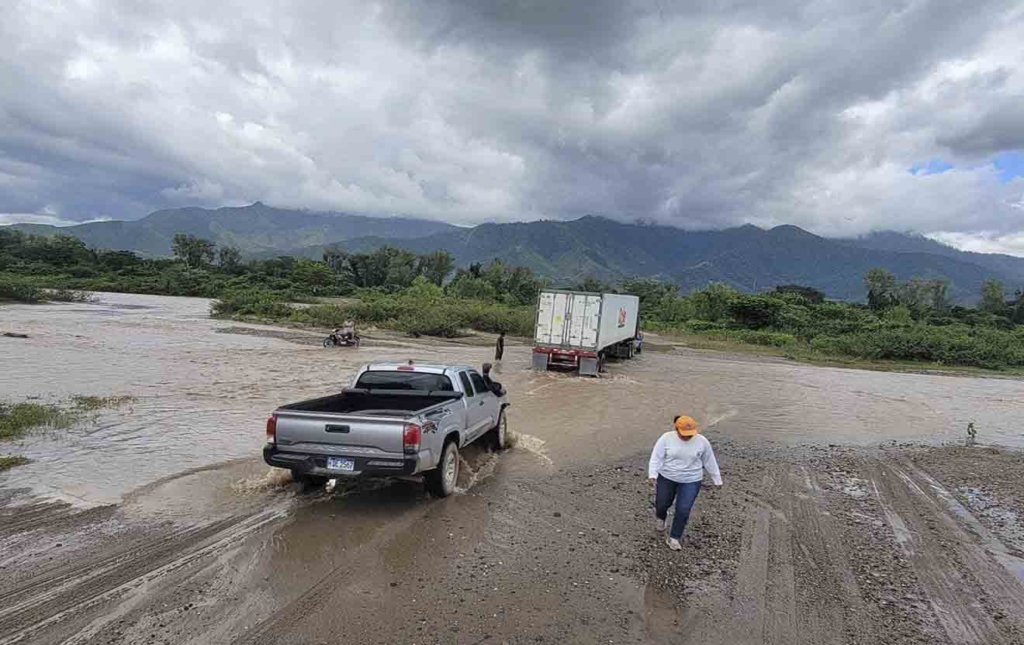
370 402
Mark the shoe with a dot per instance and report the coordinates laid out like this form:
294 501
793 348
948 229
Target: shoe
674 544
659 524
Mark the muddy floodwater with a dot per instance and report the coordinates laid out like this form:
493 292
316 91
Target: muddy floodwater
158 522
202 395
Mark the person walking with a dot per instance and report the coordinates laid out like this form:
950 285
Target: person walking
676 471
499 347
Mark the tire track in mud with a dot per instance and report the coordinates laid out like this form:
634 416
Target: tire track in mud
794 581
975 599
280 626
15 519
57 597
831 608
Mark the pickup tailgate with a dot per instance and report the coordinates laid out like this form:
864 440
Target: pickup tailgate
339 434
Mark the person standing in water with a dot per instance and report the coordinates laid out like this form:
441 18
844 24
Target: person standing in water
499 347
676 470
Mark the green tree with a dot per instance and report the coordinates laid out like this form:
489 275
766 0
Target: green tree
522 286
229 258
335 259
809 294
403 268
940 299
993 297
712 303
436 266
312 274
1017 315
755 311
424 289
592 285
194 251
648 290
465 286
881 286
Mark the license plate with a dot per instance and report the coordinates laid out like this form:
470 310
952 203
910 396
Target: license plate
342 464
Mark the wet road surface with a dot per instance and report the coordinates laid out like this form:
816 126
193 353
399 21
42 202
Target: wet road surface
158 523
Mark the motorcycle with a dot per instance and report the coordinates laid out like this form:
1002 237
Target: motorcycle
342 340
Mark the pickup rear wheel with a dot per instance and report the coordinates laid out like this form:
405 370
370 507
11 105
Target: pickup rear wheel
441 481
308 482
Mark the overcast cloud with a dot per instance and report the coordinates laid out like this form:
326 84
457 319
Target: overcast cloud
840 117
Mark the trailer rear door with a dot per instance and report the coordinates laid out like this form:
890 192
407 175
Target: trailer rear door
568 320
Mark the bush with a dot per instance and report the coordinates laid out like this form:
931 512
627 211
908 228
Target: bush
250 303
20 292
952 345
755 312
435 321
67 295
700 326
765 338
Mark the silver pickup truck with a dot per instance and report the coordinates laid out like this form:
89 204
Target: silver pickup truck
396 419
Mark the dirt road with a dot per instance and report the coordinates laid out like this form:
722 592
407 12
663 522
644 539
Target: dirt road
860 541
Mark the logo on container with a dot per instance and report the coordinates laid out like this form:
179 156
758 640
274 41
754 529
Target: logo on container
622 317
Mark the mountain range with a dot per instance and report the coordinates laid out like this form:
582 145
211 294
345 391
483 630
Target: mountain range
747 257
253 229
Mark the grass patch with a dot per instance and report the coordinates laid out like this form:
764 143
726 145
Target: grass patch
92 403
19 418
16 419
10 461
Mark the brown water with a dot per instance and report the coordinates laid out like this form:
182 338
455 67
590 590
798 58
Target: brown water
202 396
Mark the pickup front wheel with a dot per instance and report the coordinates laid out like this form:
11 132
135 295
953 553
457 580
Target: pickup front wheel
441 481
499 433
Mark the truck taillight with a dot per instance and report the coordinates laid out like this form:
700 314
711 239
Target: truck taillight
272 430
411 439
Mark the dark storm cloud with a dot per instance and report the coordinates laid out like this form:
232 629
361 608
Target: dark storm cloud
699 114
999 128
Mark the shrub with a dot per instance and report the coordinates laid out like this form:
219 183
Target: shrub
250 303
20 292
755 312
67 295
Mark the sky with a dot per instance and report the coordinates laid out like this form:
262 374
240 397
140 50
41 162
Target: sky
839 117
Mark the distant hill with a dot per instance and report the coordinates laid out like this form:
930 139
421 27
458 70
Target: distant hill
1007 265
748 258
566 252
253 229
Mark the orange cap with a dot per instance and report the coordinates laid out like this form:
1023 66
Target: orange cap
686 426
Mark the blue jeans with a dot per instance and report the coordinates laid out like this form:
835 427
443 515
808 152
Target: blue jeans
684 495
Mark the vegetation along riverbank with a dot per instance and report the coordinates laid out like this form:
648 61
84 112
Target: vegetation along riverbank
912 321
18 419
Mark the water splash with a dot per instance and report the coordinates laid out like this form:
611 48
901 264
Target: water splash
533 445
272 479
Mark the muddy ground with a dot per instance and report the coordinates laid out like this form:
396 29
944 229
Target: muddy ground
802 545
819 535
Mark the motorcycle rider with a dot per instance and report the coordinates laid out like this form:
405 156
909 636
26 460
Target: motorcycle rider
346 332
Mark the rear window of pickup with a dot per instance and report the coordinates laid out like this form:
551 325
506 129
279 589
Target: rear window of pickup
387 380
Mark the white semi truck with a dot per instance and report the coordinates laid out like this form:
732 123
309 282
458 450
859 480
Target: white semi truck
580 330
